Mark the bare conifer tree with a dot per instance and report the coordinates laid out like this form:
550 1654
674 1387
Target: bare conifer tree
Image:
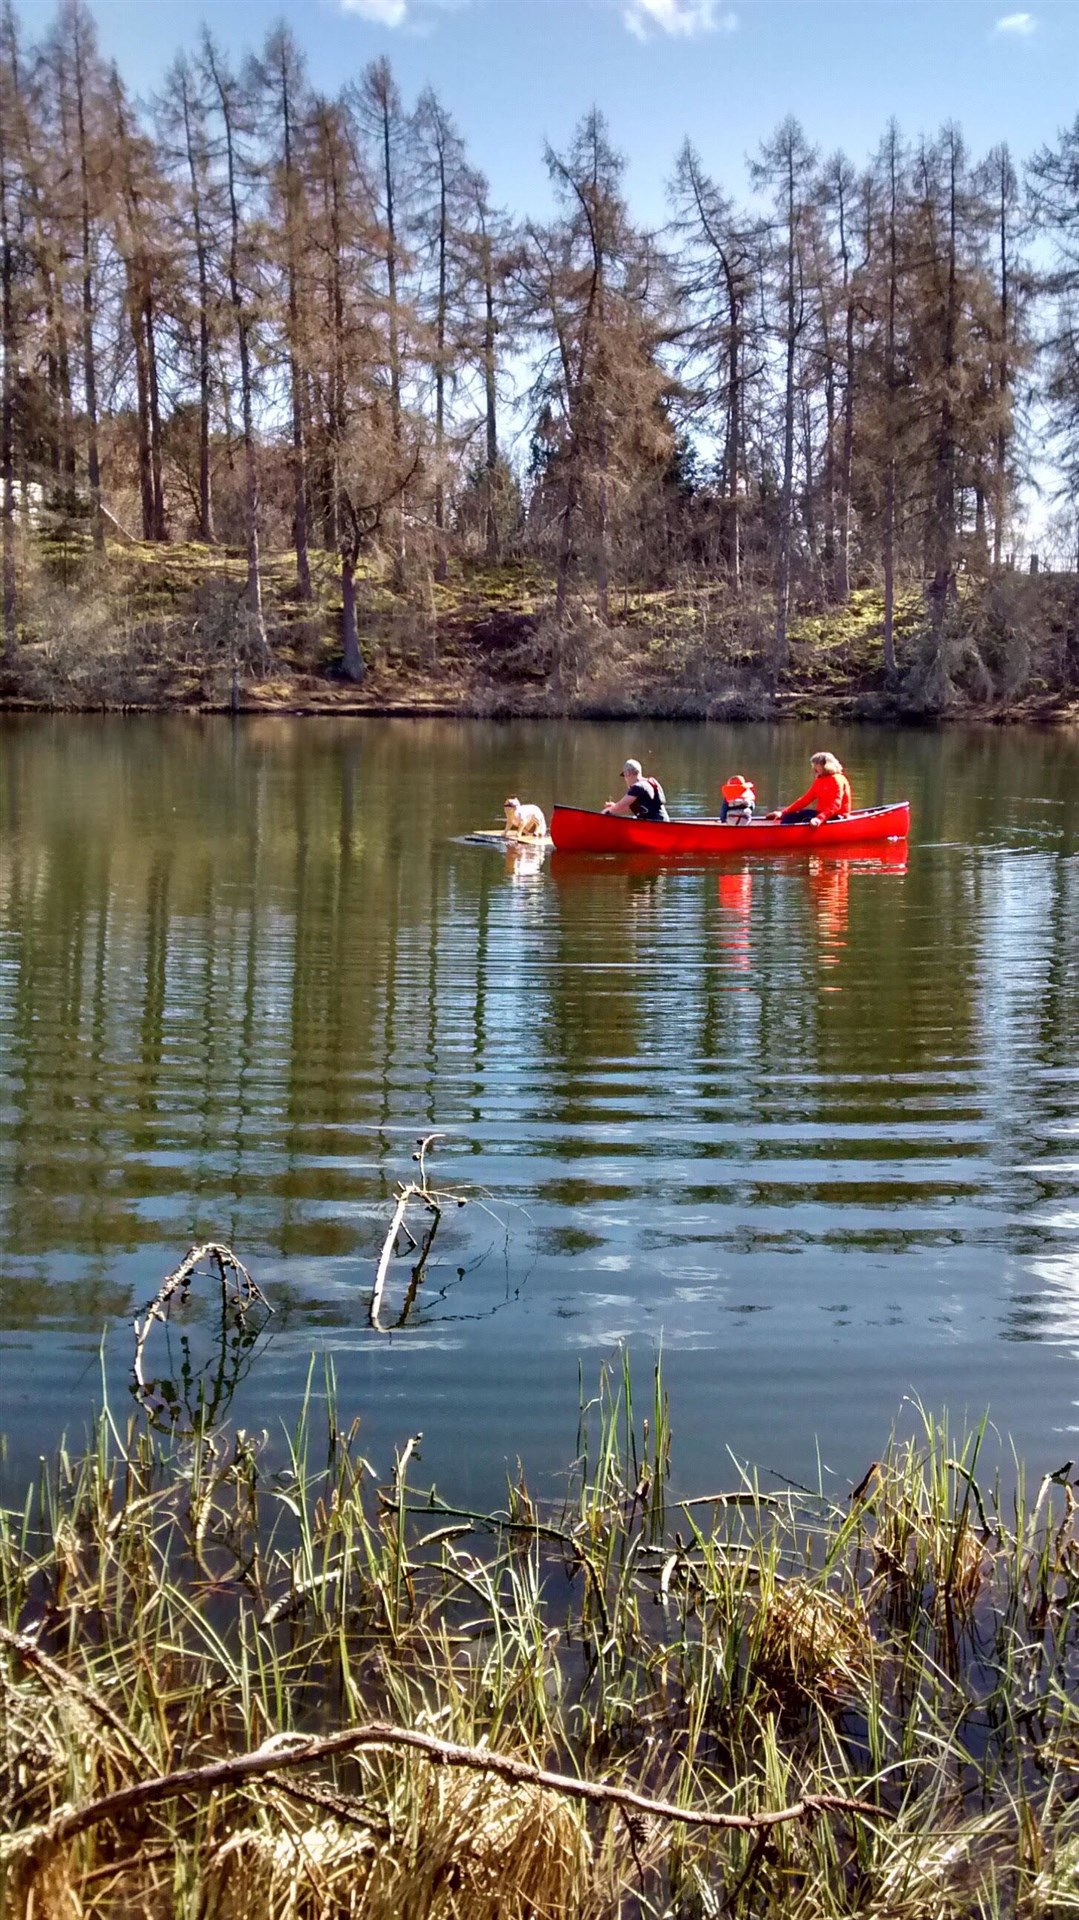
184 143
138 226
232 112
281 82
488 240
14 261
784 166
592 292
444 191
381 115
1000 184
1053 185
80 91
720 276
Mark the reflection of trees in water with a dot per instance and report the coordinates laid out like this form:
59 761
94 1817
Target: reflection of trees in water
238 962
1031 1067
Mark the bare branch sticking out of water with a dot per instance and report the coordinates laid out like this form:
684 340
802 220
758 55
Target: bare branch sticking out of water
434 1200
239 1296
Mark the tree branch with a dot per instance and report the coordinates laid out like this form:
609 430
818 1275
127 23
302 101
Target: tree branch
277 1756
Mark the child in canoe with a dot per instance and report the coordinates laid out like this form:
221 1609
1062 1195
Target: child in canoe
737 799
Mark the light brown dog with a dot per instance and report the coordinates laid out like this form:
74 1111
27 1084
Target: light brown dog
524 820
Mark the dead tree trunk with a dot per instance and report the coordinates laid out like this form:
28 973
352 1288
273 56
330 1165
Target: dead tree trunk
891 391
490 393
8 348
156 476
299 447
786 502
93 462
352 657
206 513
226 97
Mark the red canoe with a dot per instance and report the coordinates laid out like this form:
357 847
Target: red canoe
575 829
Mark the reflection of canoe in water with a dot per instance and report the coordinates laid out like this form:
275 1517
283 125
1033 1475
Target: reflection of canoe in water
584 869
574 829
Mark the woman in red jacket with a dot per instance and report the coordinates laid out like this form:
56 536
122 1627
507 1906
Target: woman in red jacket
829 798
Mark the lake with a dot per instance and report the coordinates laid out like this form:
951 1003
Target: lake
809 1125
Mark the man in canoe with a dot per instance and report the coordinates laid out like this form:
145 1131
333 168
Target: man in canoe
644 798
829 797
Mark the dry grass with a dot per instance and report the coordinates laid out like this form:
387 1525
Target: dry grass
175 1599
452 1845
812 1642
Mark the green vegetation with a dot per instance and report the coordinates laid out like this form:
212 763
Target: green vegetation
368 1688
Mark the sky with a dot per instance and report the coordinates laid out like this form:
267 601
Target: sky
517 73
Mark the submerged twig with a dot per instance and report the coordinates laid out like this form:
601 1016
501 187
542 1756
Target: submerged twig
505 1523
751 1499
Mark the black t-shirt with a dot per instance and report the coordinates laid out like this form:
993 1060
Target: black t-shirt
648 800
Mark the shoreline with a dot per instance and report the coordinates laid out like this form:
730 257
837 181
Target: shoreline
158 631
503 703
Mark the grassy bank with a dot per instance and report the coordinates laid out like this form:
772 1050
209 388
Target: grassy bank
237 1682
165 627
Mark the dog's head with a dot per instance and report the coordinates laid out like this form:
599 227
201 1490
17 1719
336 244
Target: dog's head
512 811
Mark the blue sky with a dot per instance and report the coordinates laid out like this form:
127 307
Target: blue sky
517 72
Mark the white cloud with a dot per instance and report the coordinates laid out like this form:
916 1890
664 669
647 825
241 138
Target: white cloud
681 17
1021 23
386 13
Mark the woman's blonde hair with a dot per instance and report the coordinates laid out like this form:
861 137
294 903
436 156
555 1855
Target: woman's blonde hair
827 761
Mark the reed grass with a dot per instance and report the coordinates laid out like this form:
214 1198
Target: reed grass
895 1671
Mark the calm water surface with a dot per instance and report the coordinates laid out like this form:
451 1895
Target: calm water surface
812 1124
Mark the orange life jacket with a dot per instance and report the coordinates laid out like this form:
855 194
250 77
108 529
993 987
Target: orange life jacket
739 790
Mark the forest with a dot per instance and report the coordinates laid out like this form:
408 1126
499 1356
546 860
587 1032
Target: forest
289 400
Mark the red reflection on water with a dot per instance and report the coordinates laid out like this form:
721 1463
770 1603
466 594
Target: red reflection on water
735 891
829 887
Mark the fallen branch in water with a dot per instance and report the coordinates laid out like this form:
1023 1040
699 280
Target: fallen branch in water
243 1296
286 1751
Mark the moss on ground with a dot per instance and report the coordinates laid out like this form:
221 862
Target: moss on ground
166 626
